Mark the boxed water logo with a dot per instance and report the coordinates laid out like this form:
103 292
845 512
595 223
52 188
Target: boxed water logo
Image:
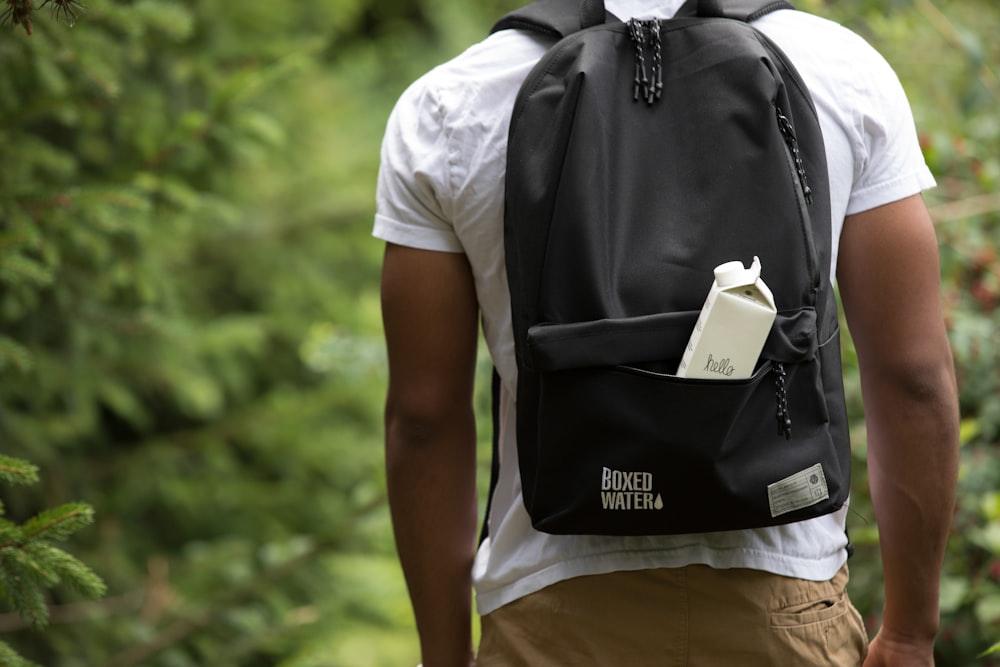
733 325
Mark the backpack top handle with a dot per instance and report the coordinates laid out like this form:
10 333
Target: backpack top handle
559 18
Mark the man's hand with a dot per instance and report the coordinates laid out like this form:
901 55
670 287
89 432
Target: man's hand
885 651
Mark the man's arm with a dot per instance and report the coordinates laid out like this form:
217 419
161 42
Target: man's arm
430 314
888 274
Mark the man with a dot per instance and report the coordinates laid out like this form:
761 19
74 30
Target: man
773 596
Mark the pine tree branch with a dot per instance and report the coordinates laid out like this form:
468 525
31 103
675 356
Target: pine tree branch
60 522
19 12
8 658
17 471
56 523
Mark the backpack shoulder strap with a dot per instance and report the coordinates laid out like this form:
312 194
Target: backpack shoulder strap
555 18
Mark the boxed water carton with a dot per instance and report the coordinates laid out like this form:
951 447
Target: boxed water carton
733 325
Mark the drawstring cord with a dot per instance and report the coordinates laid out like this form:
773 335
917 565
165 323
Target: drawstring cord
649 88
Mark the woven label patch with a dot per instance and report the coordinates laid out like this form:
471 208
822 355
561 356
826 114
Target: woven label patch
802 489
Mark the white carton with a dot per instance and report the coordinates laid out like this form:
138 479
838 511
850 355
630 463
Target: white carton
733 325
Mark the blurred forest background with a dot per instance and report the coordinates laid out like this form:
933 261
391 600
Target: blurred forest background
190 338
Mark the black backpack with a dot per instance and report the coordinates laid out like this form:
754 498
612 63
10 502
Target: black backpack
641 156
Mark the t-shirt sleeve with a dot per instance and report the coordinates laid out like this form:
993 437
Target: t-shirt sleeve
891 166
412 194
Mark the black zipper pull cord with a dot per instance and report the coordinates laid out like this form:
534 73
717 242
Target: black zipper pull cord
788 132
657 92
640 83
781 396
646 33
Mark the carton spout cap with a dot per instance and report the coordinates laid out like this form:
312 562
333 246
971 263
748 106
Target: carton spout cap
734 273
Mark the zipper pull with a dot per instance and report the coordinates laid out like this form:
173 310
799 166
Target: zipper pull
657 88
781 396
640 83
788 132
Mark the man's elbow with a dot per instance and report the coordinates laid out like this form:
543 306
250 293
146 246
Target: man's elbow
428 444
425 423
928 382
920 388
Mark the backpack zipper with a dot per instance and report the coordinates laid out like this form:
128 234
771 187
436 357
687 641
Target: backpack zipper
788 132
804 193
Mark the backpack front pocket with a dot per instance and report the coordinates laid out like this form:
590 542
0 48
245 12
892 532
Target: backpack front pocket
628 449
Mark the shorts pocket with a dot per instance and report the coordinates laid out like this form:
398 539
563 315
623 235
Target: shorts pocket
815 611
826 631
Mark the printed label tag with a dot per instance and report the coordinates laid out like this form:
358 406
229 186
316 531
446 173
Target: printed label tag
802 489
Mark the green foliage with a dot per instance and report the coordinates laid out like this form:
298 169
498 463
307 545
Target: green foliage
30 564
189 323
16 471
9 658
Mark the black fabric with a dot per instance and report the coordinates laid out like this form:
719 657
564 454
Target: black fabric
616 213
494 453
559 18
555 18
651 338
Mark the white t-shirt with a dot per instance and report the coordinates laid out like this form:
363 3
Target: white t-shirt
441 187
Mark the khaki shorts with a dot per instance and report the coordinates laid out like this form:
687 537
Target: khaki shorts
692 616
